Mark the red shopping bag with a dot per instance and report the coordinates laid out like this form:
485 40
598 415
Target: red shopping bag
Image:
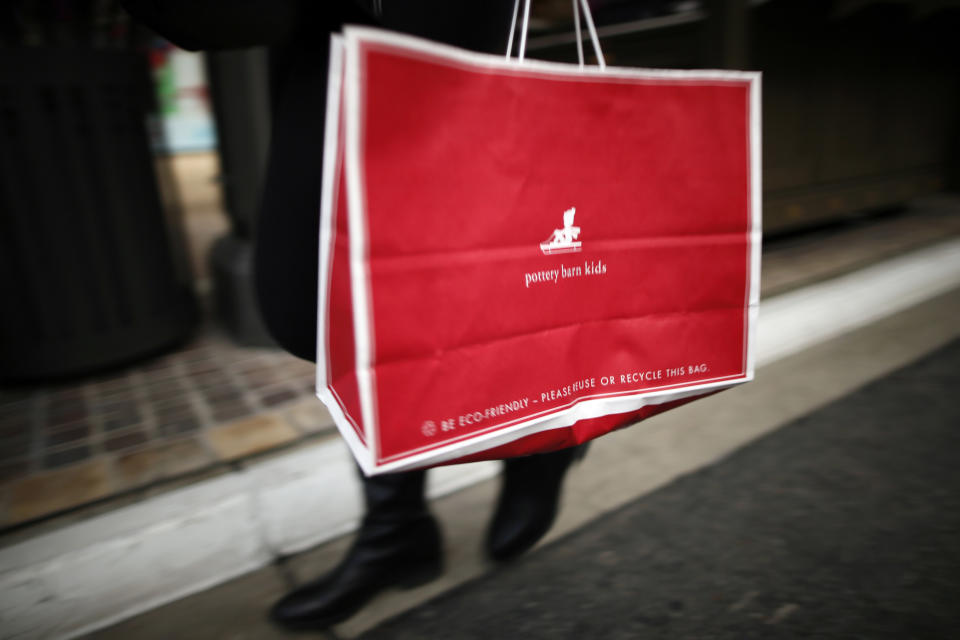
519 257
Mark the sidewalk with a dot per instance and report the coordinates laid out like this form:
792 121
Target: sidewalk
623 468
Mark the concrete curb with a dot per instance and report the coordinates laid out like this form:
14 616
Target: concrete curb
94 573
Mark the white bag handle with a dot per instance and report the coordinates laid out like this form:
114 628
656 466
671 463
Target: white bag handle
576 22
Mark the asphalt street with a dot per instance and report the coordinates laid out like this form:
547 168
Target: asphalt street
842 524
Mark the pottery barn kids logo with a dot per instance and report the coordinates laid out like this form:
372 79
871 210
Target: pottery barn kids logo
565 240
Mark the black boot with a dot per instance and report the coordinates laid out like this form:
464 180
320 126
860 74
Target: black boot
528 501
398 545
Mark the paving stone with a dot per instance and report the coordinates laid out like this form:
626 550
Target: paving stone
225 391
224 400
114 405
166 396
207 380
65 412
13 470
126 440
66 400
14 429
253 435
181 400
162 380
160 461
125 394
250 368
185 455
164 383
53 491
114 385
278 397
121 420
203 367
64 457
300 367
178 427
260 381
226 397
173 412
15 411
66 434
310 376
15 447
57 420
309 416
104 403
66 395
231 412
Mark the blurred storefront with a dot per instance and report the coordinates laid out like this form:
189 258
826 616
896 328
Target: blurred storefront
860 97
186 117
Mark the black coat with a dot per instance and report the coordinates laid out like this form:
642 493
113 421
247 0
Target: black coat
298 32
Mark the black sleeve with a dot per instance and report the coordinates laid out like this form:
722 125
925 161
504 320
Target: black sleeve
482 25
233 24
223 24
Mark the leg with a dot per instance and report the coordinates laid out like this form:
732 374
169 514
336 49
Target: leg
398 545
529 500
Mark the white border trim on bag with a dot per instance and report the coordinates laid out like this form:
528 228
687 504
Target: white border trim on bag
361 288
328 195
359 269
580 410
411 45
327 237
756 217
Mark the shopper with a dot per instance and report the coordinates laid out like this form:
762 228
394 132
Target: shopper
399 542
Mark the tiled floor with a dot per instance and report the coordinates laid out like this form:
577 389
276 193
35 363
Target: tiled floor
207 403
211 403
